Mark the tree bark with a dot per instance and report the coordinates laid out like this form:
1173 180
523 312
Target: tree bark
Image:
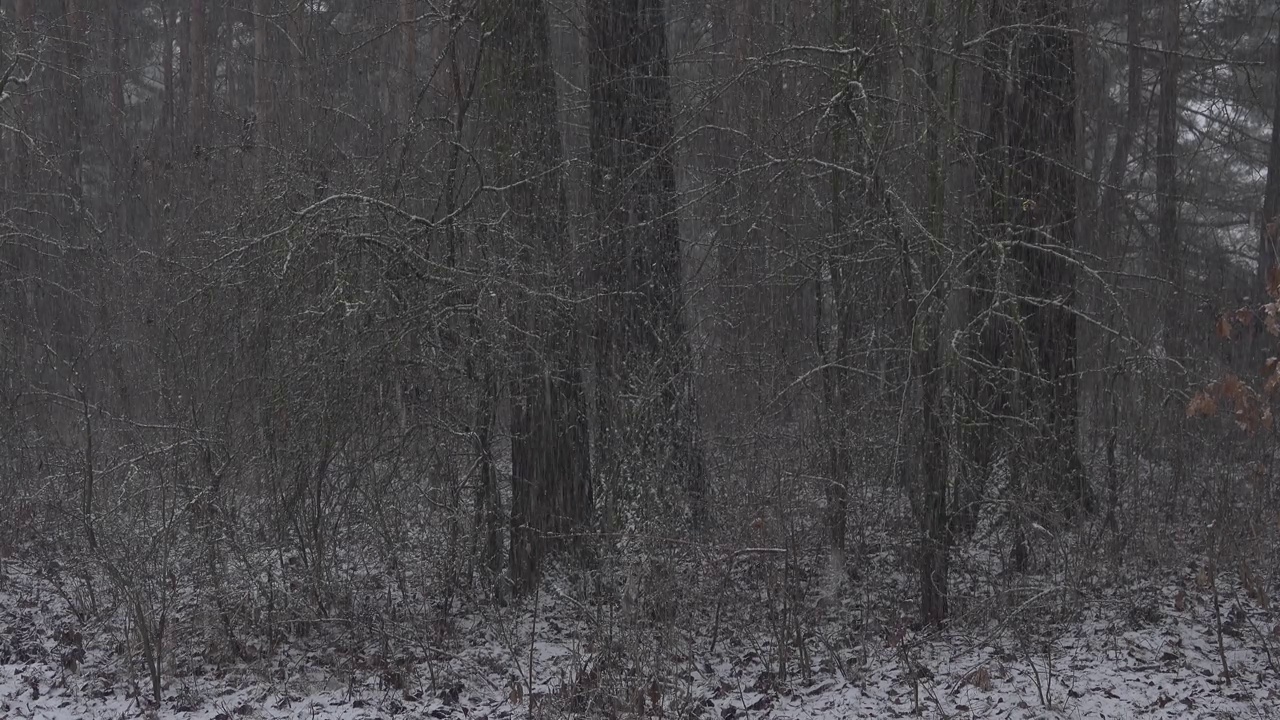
408 60
550 468
830 303
199 71
1108 222
925 326
74 118
1169 252
648 429
1042 141
1269 230
261 83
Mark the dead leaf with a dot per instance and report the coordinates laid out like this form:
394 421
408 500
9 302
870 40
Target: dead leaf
1272 384
1232 388
1273 280
1246 317
655 695
1202 405
1180 601
980 678
1224 328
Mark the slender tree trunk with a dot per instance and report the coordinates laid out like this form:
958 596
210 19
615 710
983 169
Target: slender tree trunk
297 82
21 167
1269 232
925 327
75 115
115 60
261 83
199 71
1169 251
169 111
1108 221
830 300
990 384
408 60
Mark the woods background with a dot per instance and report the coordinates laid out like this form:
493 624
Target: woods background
333 309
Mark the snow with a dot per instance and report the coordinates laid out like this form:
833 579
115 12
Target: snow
1156 657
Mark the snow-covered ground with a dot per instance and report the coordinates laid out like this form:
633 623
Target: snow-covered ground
1157 660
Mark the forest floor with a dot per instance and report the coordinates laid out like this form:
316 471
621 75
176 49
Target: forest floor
1159 658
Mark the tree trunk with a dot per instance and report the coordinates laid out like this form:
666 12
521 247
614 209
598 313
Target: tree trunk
1169 251
550 469
990 389
1269 232
261 83
74 119
648 429
199 71
1108 221
925 327
831 334
408 61
1042 209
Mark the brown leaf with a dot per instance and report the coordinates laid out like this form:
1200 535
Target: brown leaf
1270 366
1273 282
980 678
1224 327
1180 601
1232 388
1272 384
1245 317
1202 405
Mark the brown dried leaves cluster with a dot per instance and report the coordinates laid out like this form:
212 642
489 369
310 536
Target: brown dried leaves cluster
1250 409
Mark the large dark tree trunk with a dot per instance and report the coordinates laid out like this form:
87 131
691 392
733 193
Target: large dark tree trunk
1041 206
550 469
647 422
